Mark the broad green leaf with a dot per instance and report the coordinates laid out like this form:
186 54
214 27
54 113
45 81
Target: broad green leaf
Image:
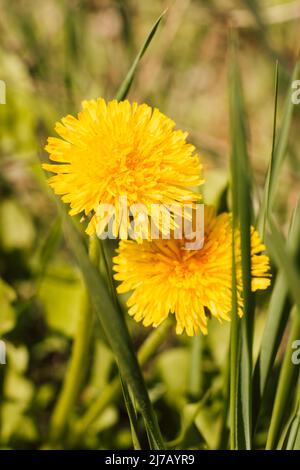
16 227
14 423
75 373
8 315
62 294
264 209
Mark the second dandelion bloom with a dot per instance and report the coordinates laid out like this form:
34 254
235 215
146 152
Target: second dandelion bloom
117 149
166 278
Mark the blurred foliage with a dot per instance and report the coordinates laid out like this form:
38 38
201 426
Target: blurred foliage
53 55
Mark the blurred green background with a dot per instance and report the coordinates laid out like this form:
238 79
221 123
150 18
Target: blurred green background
54 54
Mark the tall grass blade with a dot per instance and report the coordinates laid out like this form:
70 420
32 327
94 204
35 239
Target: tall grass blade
132 415
242 212
278 156
266 196
125 86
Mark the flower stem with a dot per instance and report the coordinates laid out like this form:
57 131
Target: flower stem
75 372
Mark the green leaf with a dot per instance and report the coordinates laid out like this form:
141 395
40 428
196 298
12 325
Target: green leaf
62 295
125 86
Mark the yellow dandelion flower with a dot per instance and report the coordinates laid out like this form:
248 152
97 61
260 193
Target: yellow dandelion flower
120 149
166 278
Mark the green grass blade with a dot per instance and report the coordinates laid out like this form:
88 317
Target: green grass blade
112 391
287 380
284 262
266 199
115 329
242 211
195 371
278 156
132 415
234 360
125 86
278 312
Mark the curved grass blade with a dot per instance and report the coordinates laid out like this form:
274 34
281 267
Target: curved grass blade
125 86
115 329
195 372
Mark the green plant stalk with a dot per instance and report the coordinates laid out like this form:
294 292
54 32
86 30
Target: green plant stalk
195 375
125 86
224 434
265 203
128 399
132 415
115 329
75 372
112 391
288 374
